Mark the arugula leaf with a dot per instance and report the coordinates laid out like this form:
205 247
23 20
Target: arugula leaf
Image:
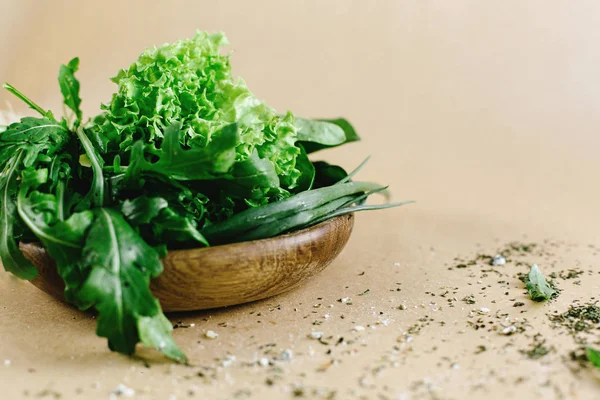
35 135
120 265
593 356
69 87
192 164
12 258
538 287
317 135
171 226
142 209
63 239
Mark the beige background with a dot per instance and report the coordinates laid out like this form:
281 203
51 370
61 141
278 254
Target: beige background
485 112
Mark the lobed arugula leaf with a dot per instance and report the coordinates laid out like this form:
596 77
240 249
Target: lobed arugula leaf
36 136
142 209
69 87
63 239
172 226
120 265
177 163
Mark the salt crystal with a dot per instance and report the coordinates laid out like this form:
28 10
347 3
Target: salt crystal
7 362
263 362
316 335
286 355
229 359
509 330
499 260
484 310
359 328
211 334
123 391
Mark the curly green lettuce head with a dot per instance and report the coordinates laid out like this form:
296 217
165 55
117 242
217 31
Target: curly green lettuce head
191 82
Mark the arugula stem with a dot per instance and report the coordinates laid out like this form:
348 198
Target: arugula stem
97 190
60 198
25 99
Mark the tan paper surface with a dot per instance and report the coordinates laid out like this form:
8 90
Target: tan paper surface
486 113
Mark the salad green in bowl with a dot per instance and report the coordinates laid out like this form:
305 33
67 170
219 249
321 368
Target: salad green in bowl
183 156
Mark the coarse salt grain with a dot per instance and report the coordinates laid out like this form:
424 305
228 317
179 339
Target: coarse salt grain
229 359
499 260
263 362
509 330
123 391
316 335
211 334
286 355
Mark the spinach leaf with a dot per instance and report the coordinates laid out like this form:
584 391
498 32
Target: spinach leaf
120 265
320 132
539 289
307 172
327 174
69 87
12 258
316 135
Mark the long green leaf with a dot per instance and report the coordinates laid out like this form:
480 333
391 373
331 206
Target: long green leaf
12 258
247 220
26 100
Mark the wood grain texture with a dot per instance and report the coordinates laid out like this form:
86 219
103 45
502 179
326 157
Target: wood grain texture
225 275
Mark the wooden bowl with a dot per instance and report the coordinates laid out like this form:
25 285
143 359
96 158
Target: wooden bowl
230 274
